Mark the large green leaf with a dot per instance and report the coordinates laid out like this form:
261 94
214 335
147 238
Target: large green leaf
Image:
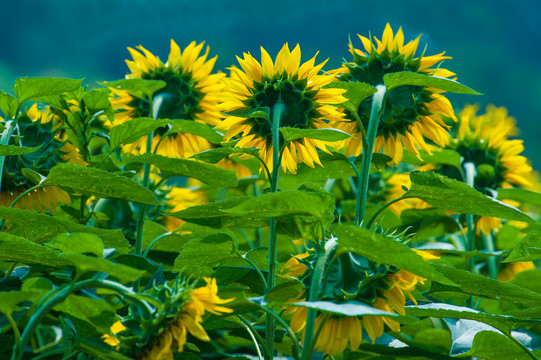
384 250
491 345
483 286
205 253
169 167
527 249
97 312
38 227
77 242
16 150
348 308
85 263
97 182
195 128
520 195
137 87
440 191
214 155
23 251
287 203
356 92
97 100
33 88
394 80
284 292
292 134
441 156
8 104
10 300
133 130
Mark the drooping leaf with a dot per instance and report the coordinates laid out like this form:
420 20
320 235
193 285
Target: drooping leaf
97 182
133 130
292 134
520 195
356 92
493 345
214 155
33 88
195 128
479 285
78 243
136 87
527 249
16 150
347 308
8 104
396 79
384 250
20 250
205 252
442 192
38 227
169 167
441 157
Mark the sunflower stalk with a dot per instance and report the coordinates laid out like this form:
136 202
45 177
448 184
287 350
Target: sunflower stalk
362 181
277 112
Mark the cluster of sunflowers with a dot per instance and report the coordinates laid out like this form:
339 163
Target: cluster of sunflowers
346 211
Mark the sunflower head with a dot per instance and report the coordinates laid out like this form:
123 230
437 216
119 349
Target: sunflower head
256 88
410 113
191 93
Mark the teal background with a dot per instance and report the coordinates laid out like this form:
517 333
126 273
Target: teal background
495 45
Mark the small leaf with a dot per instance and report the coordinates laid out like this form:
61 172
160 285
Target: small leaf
440 191
384 250
347 308
33 88
169 167
8 104
196 128
292 134
16 150
33 176
100 183
97 100
134 129
394 80
136 87
215 155
492 345
78 243
520 195
356 92
527 249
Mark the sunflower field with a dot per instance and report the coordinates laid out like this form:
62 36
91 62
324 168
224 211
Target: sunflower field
276 209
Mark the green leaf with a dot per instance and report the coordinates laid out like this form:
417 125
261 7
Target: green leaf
195 128
287 203
215 155
479 285
394 80
78 243
347 308
384 250
10 300
492 345
356 92
133 130
284 292
35 177
20 250
8 104
520 195
137 87
292 134
38 227
527 249
96 312
502 323
442 192
97 100
206 252
85 263
16 150
169 167
100 183
439 157
33 88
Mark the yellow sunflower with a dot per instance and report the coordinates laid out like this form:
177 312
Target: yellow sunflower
36 130
255 90
170 337
484 141
191 93
410 113
337 331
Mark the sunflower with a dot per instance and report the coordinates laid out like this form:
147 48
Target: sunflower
35 129
410 113
384 293
166 331
510 270
257 88
484 141
191 93
179 198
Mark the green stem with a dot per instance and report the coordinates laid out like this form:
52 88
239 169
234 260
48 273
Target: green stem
469 172
286 328
319 270
256 338
362 181
491 260
142 207
15 329
277 111
147 249
374 217
316 335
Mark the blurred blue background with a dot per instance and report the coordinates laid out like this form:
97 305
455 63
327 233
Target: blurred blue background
495 45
